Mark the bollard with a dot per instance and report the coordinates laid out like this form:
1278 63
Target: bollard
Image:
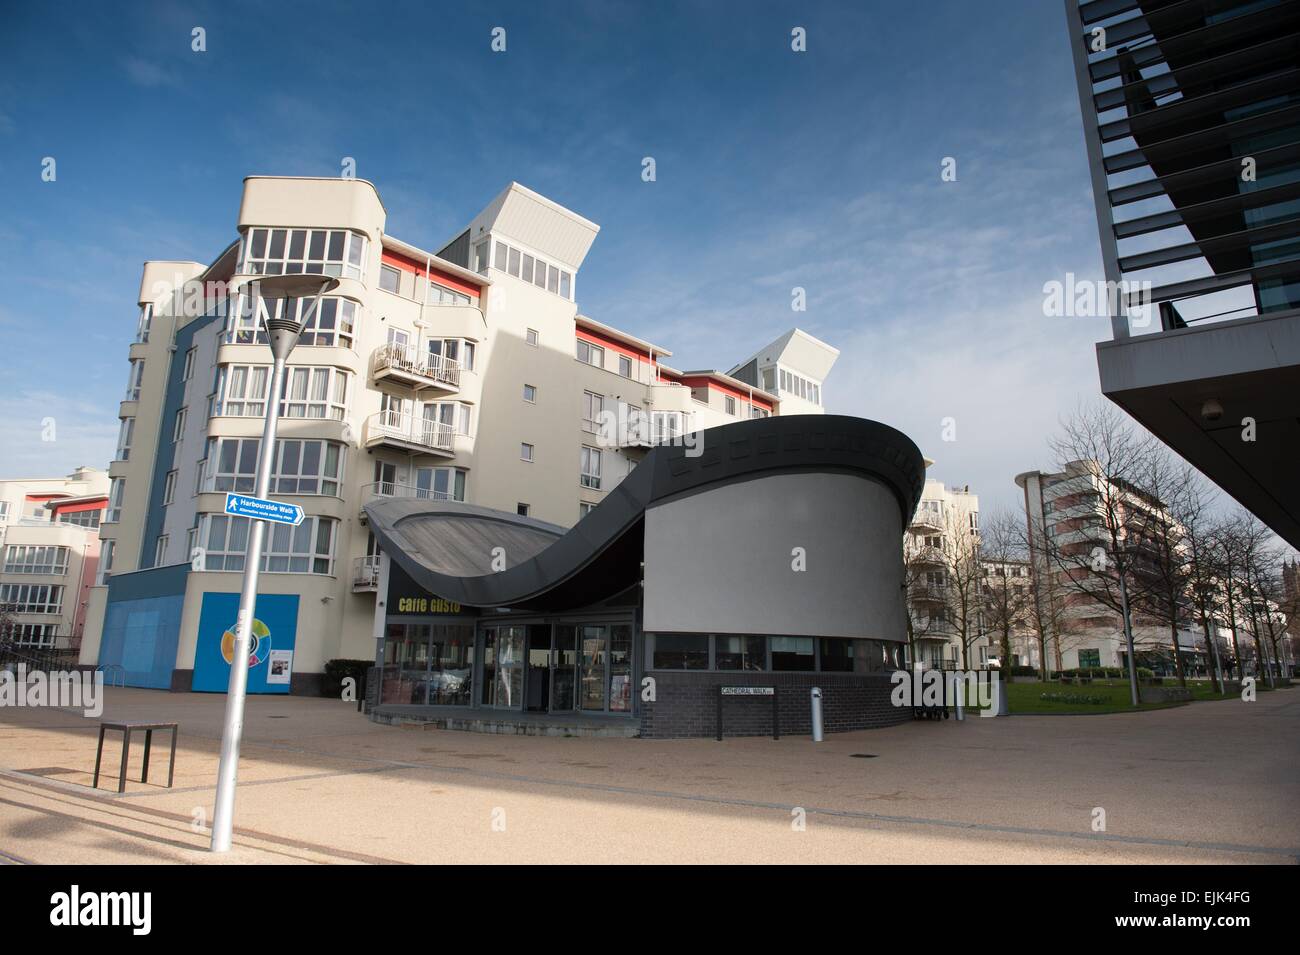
817 714
957 689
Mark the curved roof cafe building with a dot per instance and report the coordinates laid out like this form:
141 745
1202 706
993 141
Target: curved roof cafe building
768 559
519 511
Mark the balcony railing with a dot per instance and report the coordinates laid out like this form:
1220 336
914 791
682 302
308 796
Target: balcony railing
415 367
365 573
388 489
927 592
409 431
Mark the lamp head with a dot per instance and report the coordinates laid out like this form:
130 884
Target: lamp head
283 331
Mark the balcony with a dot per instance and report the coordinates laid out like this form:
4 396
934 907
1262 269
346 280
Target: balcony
382 490
927 593
419 370
927 556
407 432
365 574
927 519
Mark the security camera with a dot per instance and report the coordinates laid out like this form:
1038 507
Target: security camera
1211 410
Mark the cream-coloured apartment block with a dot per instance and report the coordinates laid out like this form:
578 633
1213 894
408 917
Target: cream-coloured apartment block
464 374
49 553
941 549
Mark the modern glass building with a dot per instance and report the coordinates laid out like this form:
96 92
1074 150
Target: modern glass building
1191 119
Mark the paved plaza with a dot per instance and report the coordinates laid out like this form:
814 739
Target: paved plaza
1215 782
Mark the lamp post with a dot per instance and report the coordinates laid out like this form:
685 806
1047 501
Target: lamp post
282 333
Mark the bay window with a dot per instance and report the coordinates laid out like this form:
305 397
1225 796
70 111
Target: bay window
36 559
309 392
333 323
116 495
32 598
300 466
334 252
305 549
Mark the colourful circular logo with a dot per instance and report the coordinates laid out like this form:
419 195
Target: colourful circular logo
259 644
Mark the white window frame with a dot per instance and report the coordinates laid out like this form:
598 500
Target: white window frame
276 559
533 337
169 488
589 477
350 263
187 372
160 550
125 437
46 599
178 425
530 388
527 452
105 569
116 494
595 354
44 559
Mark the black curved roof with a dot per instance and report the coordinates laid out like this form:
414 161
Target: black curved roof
448 547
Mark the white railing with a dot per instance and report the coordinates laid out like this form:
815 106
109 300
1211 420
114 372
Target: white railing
410 428
385 489
365 572
412 361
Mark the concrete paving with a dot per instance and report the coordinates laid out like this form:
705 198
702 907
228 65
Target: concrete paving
1212 782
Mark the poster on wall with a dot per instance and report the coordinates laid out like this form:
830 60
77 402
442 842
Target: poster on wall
275 628
281 666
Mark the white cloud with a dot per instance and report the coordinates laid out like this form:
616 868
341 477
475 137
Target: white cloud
83 433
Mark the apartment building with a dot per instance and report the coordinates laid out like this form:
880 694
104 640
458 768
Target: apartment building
1192 131
944 592
465 374
49 544
1008 588
1067 514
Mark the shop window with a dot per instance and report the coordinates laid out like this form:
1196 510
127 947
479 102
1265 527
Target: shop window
681 651
740 652
792 653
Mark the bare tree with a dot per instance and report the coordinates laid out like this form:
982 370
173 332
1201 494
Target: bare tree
1047 597
1100 558
1205 587
1006 598
1161 550
961 590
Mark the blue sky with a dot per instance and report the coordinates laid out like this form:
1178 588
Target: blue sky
774 170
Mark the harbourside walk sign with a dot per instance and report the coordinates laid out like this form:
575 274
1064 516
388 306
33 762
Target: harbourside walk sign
263 509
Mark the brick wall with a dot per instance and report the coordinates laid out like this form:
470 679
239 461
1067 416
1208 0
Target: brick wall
686 703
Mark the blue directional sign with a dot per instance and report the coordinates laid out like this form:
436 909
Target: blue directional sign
263 509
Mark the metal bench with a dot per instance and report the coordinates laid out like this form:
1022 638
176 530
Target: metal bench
126 728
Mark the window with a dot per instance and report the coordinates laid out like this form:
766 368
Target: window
526 452
116 494
590 476
429 292
142 327
532 338
523 266
740 653
32 598
729 404
309 392
625 366
681 651
105 569
530 394
33 634
301 466
178 426
585 508
452 352
160 551
481 250
34 559
440 484
188 371
333 323
135 380
591 354
191 540
86 518
592 406
336 252
1089 658
125 435
305 549
667 425
792 653
313 393
521 509
4 512
455 416
169 487
389 279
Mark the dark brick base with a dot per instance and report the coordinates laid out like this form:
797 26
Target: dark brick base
300 684
686 704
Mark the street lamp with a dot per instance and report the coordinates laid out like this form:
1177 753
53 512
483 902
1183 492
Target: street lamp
282 333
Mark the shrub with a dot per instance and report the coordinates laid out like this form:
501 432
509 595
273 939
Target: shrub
1024 671
1073 698
336 671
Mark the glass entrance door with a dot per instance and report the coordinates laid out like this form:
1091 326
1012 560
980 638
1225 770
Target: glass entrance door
564 669
503 666
594 658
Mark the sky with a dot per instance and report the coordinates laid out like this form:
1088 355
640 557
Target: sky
774 169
